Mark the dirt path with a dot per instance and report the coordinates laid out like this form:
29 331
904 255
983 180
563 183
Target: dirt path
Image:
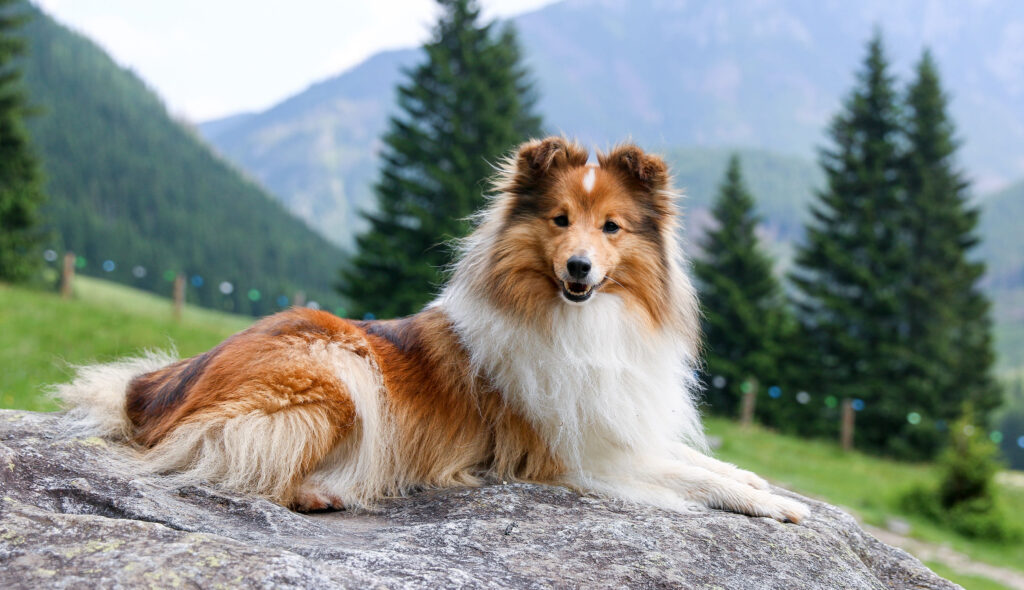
953 559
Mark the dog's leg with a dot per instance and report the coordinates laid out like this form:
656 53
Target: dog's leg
715 490
695 457
626 485
360 467
338 481
259 452
272 423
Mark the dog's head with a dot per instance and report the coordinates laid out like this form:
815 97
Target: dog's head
571 231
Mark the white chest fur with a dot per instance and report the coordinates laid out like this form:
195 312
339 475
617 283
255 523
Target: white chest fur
594 381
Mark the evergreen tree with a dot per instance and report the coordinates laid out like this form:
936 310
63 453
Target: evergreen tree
855 258
742 304
949 342
465 106
20 177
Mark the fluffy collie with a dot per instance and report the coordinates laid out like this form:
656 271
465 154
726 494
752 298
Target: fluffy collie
562 351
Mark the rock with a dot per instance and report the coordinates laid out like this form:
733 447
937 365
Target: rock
79 513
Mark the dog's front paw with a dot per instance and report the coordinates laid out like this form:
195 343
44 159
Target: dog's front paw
786 509
751 479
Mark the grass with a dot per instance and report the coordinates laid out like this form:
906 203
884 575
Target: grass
868 486
968 581
41 334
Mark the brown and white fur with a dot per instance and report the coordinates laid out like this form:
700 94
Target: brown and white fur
562 351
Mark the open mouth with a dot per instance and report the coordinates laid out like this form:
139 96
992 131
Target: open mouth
577 292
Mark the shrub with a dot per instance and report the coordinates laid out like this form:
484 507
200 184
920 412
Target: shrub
966 499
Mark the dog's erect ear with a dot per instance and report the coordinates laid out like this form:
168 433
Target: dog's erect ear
538 158
645 171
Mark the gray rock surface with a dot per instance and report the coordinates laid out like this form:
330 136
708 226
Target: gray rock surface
77 513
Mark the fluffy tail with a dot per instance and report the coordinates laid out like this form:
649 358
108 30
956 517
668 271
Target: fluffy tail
95 398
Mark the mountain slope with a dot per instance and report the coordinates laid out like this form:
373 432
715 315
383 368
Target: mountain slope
770 74
317 150
129 185
781 185
1002 217
766 75
1003 248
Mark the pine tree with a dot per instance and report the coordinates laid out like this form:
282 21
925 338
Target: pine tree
467 105
949 340
856 256
20 177
741 299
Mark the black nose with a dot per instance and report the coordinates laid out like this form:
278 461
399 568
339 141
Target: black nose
579 267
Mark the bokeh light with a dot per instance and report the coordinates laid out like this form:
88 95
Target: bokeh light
138 272
197 281
718 382
914 418
226 288
254 295
803 397
858 405
282 301
775 392
50 255
831 401
169 275
109 266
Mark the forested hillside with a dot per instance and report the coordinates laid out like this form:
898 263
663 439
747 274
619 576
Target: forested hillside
139 197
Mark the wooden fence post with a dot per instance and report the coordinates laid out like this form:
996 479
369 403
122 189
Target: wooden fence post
846 425
749 389
179 296
67 276
300 299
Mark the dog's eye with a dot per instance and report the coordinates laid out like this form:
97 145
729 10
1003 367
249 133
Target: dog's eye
610 227
561 221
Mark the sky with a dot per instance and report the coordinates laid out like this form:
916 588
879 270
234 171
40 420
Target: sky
212 58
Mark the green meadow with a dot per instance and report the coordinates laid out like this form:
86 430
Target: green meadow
866 486
42 335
